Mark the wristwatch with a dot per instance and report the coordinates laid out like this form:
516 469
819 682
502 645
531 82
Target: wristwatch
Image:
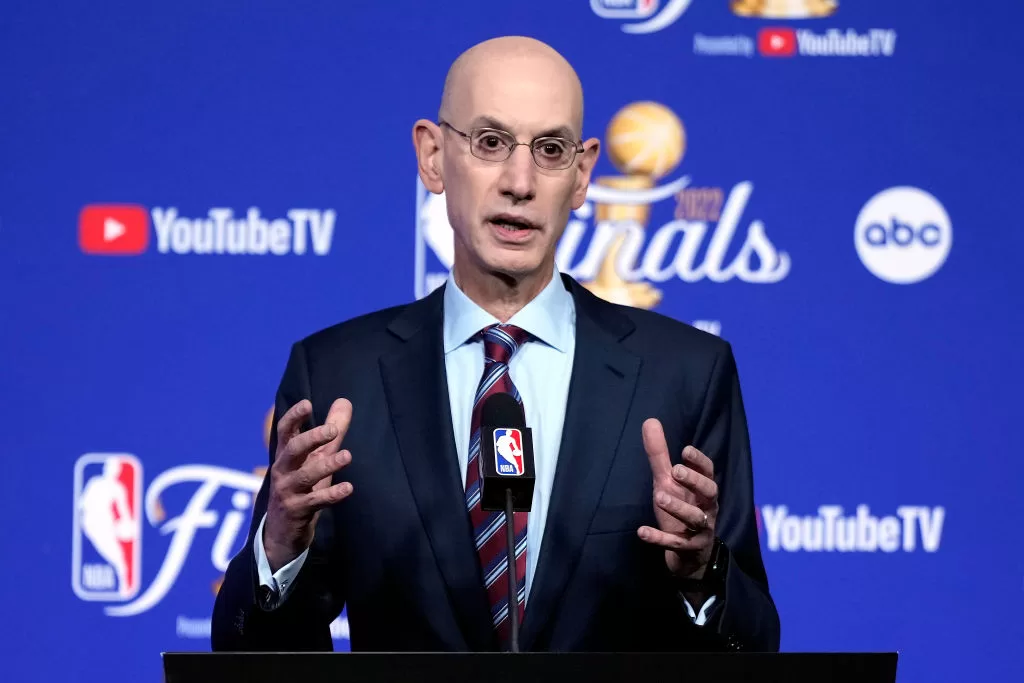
714 572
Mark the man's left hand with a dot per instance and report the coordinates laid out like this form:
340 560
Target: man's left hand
685 505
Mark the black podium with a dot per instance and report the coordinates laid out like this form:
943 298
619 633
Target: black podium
529 667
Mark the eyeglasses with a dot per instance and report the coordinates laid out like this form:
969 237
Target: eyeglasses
494 144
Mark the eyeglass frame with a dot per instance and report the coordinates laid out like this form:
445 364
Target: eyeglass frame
578 147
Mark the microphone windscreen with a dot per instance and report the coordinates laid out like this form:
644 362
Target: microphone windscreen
502 410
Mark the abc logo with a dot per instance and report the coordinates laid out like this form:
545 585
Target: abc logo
903 235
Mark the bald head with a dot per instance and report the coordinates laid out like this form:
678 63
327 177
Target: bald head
507 212
518 62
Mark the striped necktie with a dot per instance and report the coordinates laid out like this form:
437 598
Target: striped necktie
489 530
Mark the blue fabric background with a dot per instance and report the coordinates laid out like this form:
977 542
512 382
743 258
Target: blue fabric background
858 391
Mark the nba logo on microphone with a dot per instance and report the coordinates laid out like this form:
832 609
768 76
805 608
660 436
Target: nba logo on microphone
107 544
508 452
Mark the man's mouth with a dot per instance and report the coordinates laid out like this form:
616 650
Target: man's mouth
512 223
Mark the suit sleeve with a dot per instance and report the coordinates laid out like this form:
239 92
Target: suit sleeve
241 619
744 616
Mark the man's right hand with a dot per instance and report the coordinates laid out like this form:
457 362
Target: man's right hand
300 479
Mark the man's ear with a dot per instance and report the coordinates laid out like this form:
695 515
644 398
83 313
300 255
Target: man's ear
584 167
426 138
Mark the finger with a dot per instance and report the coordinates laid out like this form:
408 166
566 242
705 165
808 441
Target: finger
290 424
670 541
698 461
340 415
690 515
299 448
657 449
704 488
321 498
318 469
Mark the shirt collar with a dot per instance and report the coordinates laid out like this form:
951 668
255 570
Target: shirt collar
549 317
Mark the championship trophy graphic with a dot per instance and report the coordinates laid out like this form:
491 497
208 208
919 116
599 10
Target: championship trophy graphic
645 141
784 9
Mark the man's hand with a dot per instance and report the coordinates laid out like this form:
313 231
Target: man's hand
300 479
685 505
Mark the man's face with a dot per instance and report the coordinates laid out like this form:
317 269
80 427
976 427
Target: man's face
508 216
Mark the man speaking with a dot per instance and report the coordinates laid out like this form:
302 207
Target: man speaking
642 533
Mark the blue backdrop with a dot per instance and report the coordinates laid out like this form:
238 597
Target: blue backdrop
186 188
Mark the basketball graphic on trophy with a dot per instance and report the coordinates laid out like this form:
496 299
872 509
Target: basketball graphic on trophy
784 9
645 141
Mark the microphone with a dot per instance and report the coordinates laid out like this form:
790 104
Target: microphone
507 478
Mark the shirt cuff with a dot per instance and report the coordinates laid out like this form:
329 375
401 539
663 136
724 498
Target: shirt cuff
700 617
279 583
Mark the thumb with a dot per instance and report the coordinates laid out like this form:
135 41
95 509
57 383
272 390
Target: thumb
656 447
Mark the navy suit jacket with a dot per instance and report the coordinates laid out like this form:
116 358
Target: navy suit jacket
399 552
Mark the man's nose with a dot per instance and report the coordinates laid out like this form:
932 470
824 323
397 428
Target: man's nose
519 175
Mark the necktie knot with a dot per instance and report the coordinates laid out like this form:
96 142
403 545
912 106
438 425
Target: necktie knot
502 341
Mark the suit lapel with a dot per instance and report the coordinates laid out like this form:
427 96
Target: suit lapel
416 387
601 390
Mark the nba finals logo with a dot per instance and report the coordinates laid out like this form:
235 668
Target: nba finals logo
609 244
508 452
654 16
211 510
107 542
110 504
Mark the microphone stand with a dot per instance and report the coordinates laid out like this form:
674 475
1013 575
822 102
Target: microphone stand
513 582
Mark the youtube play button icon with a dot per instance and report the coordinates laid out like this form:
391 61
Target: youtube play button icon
118 229
777 42
112 229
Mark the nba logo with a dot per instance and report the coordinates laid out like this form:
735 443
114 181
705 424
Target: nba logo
508 452
107 543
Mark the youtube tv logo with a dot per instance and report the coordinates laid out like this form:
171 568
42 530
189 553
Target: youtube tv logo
113 229
776 42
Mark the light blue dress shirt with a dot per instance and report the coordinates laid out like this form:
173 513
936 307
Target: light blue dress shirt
540 369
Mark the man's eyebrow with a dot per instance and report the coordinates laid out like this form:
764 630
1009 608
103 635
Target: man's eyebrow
491 122
559 132
487 122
